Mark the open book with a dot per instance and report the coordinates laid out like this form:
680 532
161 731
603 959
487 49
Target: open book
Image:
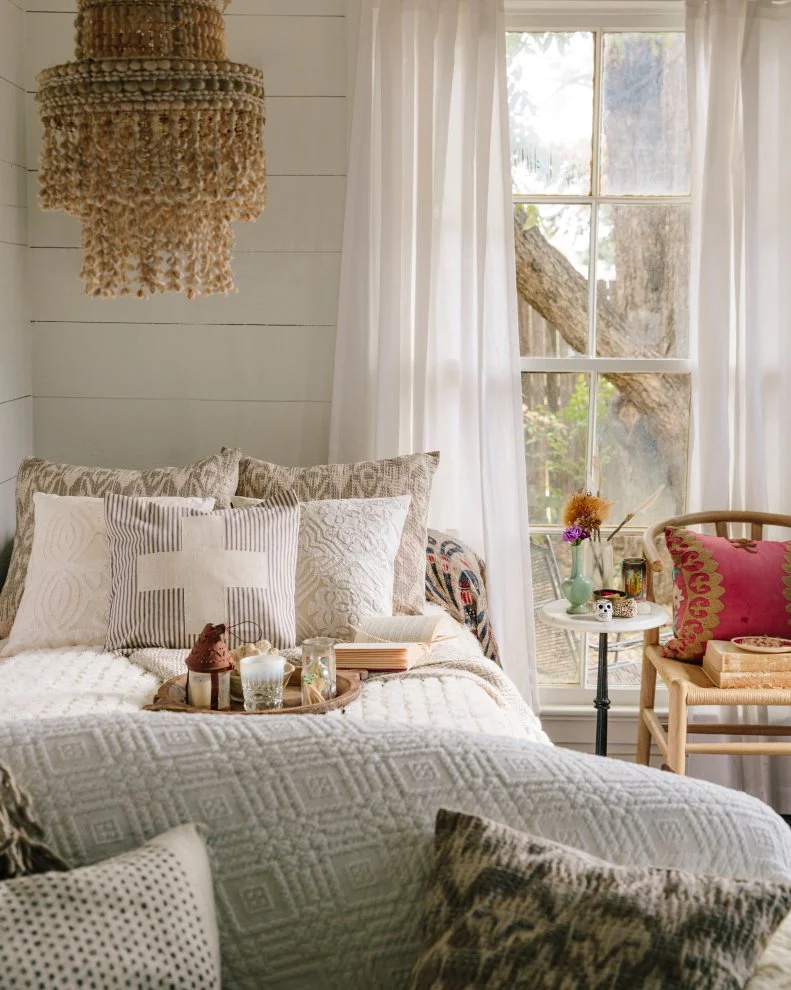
389 642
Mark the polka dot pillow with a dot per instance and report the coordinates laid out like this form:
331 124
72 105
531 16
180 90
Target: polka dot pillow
142 919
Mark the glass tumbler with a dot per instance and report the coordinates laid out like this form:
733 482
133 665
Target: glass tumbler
262 682
318 671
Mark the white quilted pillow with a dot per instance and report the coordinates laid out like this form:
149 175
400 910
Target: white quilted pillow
346 562
66 601
145 918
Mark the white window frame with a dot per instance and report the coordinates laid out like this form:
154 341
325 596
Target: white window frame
599 17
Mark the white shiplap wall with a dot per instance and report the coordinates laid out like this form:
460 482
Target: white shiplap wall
16 404
142 382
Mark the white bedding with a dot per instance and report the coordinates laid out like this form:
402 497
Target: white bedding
455 688
72 680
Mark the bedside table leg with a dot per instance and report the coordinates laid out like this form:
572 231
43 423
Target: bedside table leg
602 701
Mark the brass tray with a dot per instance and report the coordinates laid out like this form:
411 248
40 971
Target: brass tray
171 697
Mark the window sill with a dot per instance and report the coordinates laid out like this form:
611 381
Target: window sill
585 712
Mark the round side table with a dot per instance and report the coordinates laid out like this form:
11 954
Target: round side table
556 614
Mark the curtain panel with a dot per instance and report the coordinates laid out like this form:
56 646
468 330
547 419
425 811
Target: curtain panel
739 65
427 341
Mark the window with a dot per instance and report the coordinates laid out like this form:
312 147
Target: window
600 169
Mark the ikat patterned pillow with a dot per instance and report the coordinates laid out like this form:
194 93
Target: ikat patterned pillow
174 569
145 918
724 588
214 477
508 911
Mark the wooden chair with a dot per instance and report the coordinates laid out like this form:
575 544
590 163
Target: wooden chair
687 684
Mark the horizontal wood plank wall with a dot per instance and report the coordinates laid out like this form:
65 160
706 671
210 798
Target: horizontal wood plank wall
143 382
16 385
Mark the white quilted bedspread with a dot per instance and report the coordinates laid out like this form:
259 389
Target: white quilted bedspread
451 702
72 680
322 829
455 687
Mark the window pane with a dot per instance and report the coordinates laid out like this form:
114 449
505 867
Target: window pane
550 106
642 429
556 431
557 650
642 271
645 131
552 253
626 650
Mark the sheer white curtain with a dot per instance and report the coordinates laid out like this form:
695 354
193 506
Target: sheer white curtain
739 60
427 348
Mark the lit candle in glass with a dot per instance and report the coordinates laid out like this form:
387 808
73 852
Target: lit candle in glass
262 681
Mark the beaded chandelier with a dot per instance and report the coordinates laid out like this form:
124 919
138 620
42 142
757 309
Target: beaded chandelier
156 143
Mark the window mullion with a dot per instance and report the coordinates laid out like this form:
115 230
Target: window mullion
591 451
595 187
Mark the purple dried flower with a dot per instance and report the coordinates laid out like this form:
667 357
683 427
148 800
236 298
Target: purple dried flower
575 535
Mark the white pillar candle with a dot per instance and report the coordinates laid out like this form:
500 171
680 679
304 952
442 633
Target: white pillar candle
200 688
263 667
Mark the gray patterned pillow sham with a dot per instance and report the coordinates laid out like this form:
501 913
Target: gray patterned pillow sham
215 476
507 911
412 474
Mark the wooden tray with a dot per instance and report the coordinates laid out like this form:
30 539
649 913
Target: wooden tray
171 697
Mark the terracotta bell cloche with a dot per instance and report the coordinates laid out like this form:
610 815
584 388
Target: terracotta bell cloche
209 667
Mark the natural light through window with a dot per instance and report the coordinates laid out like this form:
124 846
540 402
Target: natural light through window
600 167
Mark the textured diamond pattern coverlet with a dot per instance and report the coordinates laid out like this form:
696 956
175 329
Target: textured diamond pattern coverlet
323 829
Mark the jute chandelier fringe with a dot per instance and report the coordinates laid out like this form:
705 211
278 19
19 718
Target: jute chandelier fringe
156 143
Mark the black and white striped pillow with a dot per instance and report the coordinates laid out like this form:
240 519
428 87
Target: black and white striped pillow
175 569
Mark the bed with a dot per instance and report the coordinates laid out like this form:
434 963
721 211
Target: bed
456 686
320 828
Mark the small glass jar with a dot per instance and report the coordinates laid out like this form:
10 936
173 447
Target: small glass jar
318 671
598 563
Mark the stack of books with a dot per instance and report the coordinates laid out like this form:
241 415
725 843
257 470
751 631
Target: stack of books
728 666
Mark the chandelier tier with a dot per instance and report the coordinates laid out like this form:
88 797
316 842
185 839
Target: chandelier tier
156 143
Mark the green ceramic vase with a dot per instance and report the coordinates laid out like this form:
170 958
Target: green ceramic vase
577 589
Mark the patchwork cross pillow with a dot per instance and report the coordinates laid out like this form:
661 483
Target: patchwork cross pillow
66 601
411 474
508 910
175 569
214 477
725 588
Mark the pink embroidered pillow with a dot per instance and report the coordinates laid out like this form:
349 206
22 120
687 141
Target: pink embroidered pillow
725 588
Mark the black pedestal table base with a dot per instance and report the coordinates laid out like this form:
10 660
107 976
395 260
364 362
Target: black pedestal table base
602 700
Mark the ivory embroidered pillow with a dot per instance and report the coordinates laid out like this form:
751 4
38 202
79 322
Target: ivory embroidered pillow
175 569
215 477
412 474
725 588
144 918
346 563
66 601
